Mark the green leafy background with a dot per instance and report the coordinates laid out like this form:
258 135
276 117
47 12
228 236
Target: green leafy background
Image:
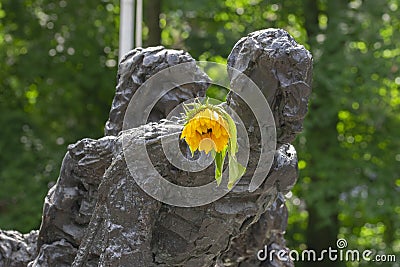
57 78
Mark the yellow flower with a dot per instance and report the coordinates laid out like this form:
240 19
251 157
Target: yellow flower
206 131
208 128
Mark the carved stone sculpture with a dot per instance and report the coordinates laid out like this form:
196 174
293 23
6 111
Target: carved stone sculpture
97 215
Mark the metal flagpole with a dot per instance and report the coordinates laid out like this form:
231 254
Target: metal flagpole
139 19
126 27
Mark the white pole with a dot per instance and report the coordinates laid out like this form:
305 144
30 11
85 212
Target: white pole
139 19
126 27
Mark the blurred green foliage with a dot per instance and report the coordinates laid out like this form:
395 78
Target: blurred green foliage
58 67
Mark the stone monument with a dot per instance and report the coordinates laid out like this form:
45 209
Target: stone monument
97 215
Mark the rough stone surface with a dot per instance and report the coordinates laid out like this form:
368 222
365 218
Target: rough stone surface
96 215
268 231
200 236
137 67
69 204
17 249
156 234
282 69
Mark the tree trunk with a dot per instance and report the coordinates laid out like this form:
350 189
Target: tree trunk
311 13
152 20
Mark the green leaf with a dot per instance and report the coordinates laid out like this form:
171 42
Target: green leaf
232 135
219 159
236 170
232 131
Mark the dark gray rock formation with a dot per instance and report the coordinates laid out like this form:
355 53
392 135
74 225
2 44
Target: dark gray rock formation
16 249
96 214
282 69
69 204
136 68
145 232
268 231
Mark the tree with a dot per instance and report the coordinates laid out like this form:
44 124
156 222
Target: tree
152 21
356 172
57 82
